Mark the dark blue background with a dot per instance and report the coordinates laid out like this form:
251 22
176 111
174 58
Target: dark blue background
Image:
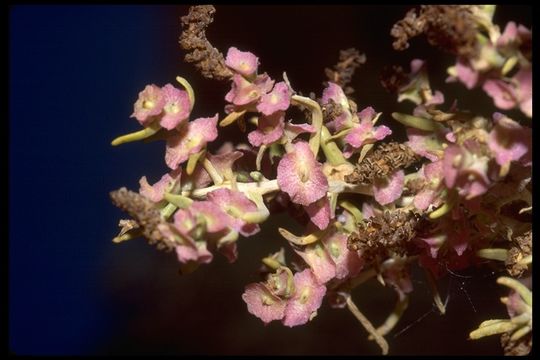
75 72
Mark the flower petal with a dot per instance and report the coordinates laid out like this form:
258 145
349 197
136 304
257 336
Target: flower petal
300 175
263 304
388 190
308 297
190 140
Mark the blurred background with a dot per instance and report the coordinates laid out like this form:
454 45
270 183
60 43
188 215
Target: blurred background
75 72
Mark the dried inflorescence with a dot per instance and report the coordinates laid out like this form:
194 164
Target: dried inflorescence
386 235
450 27
393 78
521 248
343 71
200 51
146 215
382 161
520 347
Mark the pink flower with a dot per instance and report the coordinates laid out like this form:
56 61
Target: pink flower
278 99
300 175
291 130
263 304
243 62
214 218
425 143
396 274
514 35
190 140
235 204
223 162
433 174
467 74
149 104
319 212
196 252
177 107
184 221
347 262
466 170
508 140
320 262
307 298
188 249
281 283
155 192
365 132
518 92
389 189
244 92
335 93
433 243
269 129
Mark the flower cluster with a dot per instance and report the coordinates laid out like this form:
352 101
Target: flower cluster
446 198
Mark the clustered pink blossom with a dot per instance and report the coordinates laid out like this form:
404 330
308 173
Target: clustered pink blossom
210 198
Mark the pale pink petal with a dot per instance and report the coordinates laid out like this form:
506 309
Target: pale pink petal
335 92
466 169
235 204
466 74
424 143
263 304
214 218
300 175
433 243
243 62
319 212
348 263
434 170
508 140
436 99
149 104
396 274
424 198
380 132
269 129
388 190
155 192
306 300
502 93
509 34
177 107
416 66
190 140
223 162
319 261
186 253
278 99
367 210
291 130
196 252
184 221
360 134
452 160
264 83
242 91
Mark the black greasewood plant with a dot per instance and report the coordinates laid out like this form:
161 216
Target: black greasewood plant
456 192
